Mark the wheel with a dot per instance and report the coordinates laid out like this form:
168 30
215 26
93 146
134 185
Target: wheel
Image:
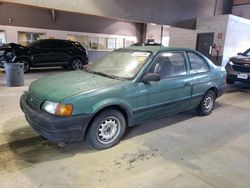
26 65
77 64
106 130
229 81
206 105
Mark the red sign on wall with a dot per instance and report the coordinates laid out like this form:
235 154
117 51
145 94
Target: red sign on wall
219 36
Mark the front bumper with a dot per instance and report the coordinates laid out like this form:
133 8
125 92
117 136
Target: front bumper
58 129
232 75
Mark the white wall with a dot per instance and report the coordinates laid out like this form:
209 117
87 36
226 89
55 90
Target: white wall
237 37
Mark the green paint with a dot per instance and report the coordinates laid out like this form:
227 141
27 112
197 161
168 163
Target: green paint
90 93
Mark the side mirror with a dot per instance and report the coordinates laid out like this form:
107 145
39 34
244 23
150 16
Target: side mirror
239 53
151 77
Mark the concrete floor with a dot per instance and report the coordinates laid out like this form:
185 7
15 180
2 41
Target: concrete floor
180 151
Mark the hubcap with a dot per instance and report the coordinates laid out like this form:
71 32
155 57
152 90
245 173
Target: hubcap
108 130
77 64
208 103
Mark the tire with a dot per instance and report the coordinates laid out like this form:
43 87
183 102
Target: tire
206 105
76 64
26 65
106 130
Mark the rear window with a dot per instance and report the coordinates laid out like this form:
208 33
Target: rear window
197 63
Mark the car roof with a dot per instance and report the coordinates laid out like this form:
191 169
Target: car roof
155 49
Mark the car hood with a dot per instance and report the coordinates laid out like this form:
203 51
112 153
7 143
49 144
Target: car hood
240 59
58 87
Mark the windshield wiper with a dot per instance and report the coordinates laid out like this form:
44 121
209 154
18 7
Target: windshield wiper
105 75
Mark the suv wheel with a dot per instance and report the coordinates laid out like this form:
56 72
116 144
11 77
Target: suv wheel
206 105
106 130
77 64
26 65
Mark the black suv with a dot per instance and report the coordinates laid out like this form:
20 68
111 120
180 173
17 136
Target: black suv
45 53
238 68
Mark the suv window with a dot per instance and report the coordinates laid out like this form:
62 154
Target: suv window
169 64
197 64
63 44
44 45
54 45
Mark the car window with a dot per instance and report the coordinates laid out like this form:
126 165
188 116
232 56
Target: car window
247 53
169 64
46 45
123 63
197 63
63 44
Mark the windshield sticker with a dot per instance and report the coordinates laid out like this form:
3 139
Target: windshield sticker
140 54
141 59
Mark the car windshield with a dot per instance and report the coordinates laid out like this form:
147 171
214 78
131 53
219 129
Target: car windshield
123 64
247 53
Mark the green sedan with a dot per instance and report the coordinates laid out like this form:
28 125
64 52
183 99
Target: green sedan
125 88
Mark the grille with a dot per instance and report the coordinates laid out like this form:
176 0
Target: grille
241 67
33 102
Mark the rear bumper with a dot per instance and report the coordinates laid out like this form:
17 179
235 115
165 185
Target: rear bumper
59 129
221 90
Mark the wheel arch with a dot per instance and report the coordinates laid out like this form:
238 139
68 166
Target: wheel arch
215 90
23 57
121 108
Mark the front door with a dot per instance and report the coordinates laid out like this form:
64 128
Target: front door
205 43
169 95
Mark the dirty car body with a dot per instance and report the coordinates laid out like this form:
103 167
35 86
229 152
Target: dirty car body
125 88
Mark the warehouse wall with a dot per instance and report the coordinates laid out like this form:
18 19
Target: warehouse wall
165 12
26 16
218 26
242 11
185 38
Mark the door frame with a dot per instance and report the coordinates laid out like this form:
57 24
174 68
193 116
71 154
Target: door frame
197 40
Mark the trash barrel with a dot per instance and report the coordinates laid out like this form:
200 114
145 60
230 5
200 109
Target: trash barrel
14 74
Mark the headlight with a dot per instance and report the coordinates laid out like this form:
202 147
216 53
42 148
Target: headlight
57 109
49 107
231 63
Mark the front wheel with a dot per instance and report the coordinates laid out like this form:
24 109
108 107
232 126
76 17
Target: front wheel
206 105
77 64
106 130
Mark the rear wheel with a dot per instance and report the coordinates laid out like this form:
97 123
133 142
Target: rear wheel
206 105
26 65
107 129
77 64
